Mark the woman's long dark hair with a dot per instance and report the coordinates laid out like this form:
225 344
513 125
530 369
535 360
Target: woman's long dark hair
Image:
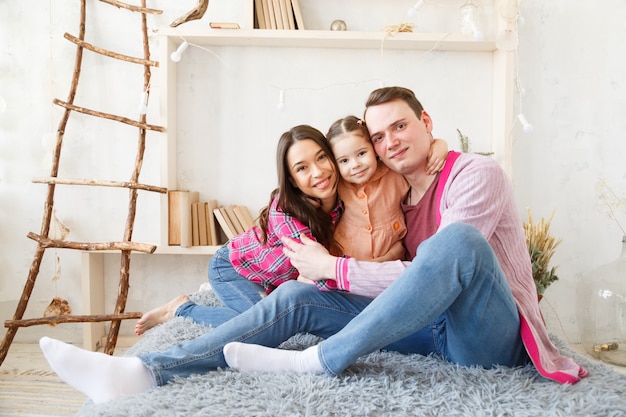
292 200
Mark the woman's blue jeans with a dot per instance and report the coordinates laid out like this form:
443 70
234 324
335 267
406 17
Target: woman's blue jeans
234 291
453 301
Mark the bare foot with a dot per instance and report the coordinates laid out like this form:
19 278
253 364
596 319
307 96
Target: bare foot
159 315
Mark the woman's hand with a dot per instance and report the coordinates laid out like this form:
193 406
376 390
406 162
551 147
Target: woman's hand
310 258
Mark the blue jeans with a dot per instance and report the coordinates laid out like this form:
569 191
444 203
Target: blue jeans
234 291
453 300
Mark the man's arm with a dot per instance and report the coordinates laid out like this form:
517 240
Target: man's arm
315 263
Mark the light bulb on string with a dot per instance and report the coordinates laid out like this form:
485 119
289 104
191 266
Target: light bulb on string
468 21
177 54
520 88
415 7
507 39
281 101
527 127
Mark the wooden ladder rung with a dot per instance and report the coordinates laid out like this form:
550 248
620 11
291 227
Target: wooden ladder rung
131 7
70 319
46 242
108 53
99 183
109 116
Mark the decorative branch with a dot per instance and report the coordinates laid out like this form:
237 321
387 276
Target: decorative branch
193 14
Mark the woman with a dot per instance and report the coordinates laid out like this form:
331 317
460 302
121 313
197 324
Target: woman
252 263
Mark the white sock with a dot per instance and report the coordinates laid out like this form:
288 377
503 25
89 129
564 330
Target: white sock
255 358
101 377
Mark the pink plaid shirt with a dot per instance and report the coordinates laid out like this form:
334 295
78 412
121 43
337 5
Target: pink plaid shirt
266 265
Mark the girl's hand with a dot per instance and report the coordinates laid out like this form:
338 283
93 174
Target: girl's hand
437 156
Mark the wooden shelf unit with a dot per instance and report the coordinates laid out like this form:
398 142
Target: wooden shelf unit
171 38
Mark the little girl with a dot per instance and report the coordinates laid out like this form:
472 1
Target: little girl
372 225
252 263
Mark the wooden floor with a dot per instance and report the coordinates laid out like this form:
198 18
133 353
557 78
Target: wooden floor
28 356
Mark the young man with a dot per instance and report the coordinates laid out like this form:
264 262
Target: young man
467 296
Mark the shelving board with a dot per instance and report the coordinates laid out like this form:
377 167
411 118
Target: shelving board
328 39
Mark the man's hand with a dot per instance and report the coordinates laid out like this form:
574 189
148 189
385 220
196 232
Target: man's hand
310 258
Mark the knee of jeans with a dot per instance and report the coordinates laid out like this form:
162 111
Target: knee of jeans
293 291
463 234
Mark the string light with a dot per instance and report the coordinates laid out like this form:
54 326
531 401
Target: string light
527 127
281 101
176 55
507 39
468 21
415 7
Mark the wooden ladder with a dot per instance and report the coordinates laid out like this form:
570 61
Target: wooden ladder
126 245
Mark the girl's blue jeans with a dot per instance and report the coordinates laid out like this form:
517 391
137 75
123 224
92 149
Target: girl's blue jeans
236 293
453 301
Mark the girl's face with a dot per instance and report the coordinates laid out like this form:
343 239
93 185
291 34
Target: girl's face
313 172
355 156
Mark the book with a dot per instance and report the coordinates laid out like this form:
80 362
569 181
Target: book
195 226
179 216
240 12
224 25
282 5
297 13
244 216
224 222
259 13
266 14
271 14
214 237
290 17
202 225
233 219
277 14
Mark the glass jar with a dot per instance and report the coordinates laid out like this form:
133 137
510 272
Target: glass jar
602 311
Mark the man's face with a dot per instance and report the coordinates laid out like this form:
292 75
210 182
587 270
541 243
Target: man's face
400 138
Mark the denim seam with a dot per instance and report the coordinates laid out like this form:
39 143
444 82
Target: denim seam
155 370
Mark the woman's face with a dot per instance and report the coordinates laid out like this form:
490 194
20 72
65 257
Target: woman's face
313 172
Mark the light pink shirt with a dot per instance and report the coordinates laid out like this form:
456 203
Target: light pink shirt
477 192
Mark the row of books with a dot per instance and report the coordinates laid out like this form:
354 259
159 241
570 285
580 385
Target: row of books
278 14
203 223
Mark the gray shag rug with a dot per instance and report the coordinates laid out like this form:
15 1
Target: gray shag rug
379 384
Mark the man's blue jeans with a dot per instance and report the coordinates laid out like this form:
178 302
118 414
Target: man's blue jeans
453 301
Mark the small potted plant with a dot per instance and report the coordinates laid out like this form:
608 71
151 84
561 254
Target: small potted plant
541 246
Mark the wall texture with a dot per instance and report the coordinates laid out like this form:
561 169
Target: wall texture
571 65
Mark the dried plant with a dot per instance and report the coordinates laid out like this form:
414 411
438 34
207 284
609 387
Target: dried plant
465 144
610 202
541 246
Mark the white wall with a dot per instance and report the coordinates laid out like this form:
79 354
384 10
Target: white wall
570 63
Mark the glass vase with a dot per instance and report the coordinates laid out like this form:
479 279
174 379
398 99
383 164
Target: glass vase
602 311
